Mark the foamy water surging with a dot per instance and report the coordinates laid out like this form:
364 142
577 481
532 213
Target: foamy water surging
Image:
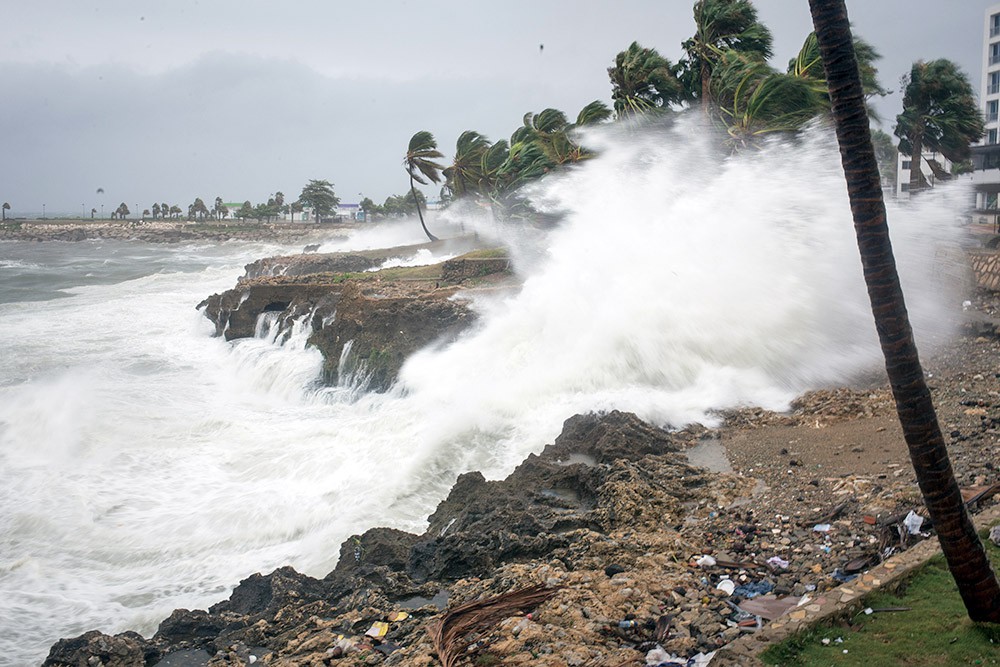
146 466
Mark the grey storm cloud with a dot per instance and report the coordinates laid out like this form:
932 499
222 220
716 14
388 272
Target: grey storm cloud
158 101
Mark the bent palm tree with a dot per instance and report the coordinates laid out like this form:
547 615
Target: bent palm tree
420 165
642 81
939 114
6 207
464 173
961 546
721 26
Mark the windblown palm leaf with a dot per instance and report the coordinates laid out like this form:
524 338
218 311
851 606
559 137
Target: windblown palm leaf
721 26
756 100
464 174
594 113
447 633
420 165
420 156
642 81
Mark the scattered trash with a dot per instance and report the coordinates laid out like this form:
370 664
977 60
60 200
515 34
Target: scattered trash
843 577
397 616
825 641
869 519
769 607
777 562
975 494
662 630
628 624
705 561
386 648
857 565
727 586
378 630
753 589
995 535
822 528
913 521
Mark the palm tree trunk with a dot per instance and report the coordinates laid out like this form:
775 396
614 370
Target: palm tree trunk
706 86
962 548
916 157
416 201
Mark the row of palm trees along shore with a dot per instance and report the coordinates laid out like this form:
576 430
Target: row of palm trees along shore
724 72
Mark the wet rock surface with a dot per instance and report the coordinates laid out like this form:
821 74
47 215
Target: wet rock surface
365 323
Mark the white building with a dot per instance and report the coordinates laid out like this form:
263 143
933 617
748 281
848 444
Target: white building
986 155
903 163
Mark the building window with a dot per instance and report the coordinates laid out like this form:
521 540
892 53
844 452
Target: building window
992 110
904 187
995 25
991 137
994 85
906 164
995 53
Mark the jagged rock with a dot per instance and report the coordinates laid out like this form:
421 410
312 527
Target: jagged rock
298 265
235 311
259 594
537 508
129 649
384 331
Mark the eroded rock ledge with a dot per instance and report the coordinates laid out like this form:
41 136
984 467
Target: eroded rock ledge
383 316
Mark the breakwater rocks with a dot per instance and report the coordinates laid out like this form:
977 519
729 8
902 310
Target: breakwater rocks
365 322
166 231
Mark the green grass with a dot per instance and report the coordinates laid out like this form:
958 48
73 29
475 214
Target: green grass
489 253
936 631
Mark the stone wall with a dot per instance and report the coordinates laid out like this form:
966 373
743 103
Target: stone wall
986 267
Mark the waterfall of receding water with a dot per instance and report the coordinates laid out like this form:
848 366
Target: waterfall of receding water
146 466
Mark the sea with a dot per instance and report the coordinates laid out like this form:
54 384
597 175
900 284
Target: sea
147 465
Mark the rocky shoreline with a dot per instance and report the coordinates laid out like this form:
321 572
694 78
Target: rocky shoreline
645 543
166 231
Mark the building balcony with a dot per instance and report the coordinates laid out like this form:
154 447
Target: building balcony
986 177
994 30
993 90
992 117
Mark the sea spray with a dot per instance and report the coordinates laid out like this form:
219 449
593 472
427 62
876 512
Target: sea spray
145 465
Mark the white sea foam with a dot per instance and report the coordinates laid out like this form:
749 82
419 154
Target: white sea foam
146 466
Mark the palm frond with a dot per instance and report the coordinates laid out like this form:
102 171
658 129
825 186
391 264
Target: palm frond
447 632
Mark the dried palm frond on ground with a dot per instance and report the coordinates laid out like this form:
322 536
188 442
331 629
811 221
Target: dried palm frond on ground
447 632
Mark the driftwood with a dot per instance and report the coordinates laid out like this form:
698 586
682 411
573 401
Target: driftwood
447 632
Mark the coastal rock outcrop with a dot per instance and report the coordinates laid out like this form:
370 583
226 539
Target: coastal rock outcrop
603 474
365 323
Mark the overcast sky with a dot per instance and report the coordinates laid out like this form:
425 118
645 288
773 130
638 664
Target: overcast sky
156 100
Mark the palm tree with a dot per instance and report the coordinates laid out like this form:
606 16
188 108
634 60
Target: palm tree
93 212
961 546
721 26
939 115
218 208
6 207
156 210
642 81
419 164
755 100
462 177
808 64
